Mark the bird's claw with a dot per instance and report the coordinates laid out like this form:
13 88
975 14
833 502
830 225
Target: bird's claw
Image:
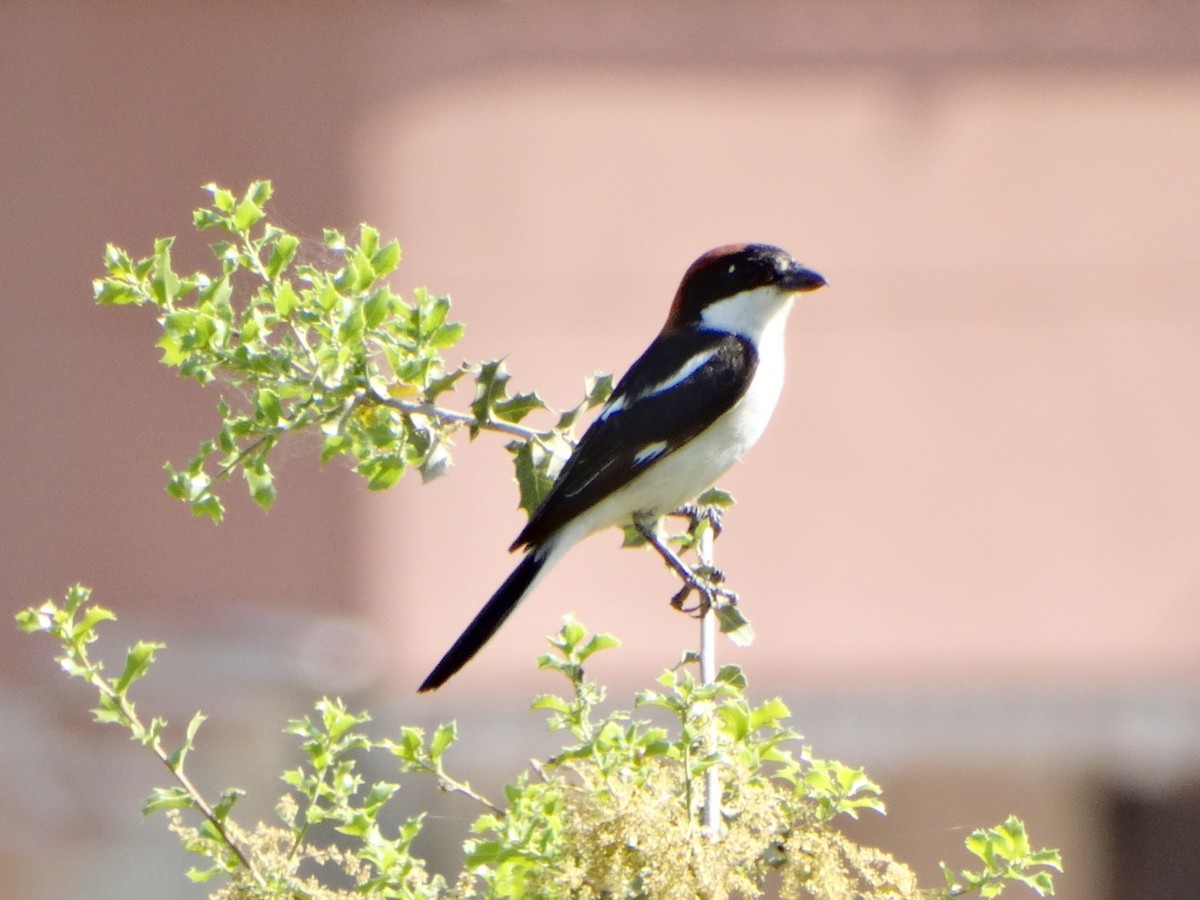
706 584
695 513
706 581
681 595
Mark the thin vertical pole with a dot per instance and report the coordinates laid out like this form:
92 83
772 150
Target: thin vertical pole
708 674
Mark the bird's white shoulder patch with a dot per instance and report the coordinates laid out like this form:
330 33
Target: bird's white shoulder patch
681 374
612 406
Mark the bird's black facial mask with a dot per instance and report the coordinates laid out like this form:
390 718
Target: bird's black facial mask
730 270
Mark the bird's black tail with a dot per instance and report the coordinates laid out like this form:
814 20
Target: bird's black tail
490 618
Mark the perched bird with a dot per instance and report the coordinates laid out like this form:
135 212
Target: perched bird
686 410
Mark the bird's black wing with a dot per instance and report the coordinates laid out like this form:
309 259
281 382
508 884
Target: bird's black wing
682 383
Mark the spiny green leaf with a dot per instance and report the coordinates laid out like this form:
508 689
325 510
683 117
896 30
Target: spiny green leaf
351 327
209 506
597 643
285 299
92 616
382 472
597 389
229 797
736 719
200 876
267 408
261 483
514 409
111 292
386 258
259 191
427 313
768 714
435 462
732 676
531 464
334 445
490 387
337 720
108 711
631 537
137 663
164 283
203 219
334 239
167 798
447 335
443 383
734 625
222 199
377 307
116 260
282 253
173 352
443 737
550 702
247 214
39 618
1046 857
176 759
715 497
368 240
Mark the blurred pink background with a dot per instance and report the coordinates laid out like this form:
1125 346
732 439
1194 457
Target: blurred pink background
969 543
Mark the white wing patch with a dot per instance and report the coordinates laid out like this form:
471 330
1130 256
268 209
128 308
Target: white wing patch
649 452
613 406
682 374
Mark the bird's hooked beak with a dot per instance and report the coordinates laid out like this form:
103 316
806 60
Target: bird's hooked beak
797 278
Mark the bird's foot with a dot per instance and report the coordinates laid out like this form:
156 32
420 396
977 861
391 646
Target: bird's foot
706 582
694 513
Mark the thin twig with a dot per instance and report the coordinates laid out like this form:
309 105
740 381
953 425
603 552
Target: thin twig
245 453
434 411
177 772
450 786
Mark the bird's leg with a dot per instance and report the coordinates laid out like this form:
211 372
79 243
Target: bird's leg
707 585
695 514
648 529
712 576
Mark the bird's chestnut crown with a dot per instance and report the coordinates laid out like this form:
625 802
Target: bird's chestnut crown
725 271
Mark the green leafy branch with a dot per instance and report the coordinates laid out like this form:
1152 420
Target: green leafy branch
425 758
611 814
74 624
332 791
1007 856
319 344
313 339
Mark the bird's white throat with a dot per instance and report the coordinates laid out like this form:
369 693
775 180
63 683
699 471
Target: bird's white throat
750 313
